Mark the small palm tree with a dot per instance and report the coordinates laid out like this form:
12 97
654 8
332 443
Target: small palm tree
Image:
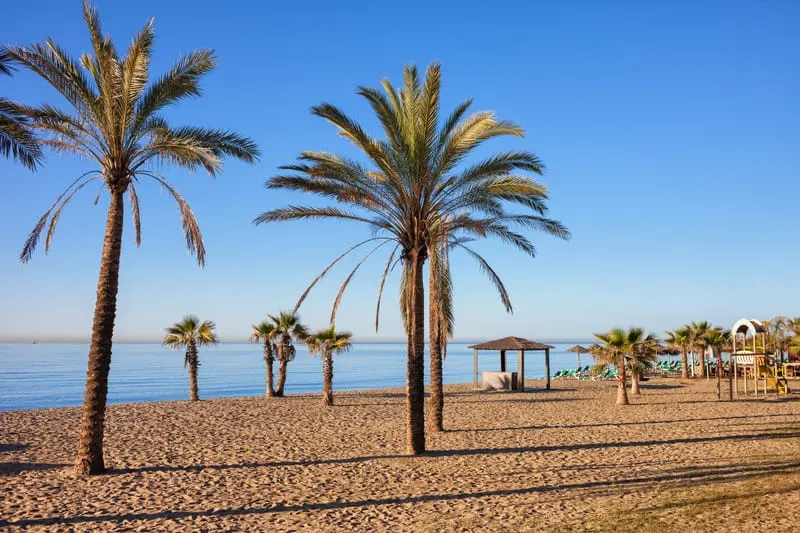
190 333
327 343
642 353
266 332
716 338
118 124
680 337
698 332
16 138
416 185
287 329
613 352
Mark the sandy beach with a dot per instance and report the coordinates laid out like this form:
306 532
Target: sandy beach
561 460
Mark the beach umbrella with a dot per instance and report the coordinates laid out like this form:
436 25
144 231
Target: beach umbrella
669 351
578 349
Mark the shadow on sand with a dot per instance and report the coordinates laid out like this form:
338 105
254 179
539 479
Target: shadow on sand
674 478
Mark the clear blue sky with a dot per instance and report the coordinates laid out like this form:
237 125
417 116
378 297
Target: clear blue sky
670 133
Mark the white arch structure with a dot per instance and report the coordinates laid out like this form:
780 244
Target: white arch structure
747 327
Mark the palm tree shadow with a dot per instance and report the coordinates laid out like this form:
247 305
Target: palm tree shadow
616 424
13 447
7 469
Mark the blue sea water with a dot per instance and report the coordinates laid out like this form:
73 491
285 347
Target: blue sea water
34 376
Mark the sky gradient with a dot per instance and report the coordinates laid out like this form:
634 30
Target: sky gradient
669 132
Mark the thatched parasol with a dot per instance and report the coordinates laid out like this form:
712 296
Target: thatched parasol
578 349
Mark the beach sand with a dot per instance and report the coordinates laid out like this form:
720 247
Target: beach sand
561 460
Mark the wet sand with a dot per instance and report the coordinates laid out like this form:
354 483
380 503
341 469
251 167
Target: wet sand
566 459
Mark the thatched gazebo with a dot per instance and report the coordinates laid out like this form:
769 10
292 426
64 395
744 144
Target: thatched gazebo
519 345
578 349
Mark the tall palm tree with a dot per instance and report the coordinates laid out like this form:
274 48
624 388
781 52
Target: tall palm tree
698 332
416 185
716 338
613 352
287 329
190 333
16 138
118 125
327 343
266 332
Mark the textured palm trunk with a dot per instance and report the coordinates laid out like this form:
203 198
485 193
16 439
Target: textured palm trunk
191 359
90 445
635 383
701 359
435 347
269 359
719 375
327 378
685 363
622 394
283 356
415 363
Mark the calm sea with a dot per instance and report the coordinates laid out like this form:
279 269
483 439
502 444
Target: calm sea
34 376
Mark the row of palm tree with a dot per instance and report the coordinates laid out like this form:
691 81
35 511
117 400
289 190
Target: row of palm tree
277 334
420 190
633 350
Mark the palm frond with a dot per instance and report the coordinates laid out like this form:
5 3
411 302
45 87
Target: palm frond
194 239
346 282
328 268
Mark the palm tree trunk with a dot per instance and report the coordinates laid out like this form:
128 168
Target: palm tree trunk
89 460
281 376
327 378
622 394
719 375
701 356
685 362
268 358
435 347
415 363
191 356
635 383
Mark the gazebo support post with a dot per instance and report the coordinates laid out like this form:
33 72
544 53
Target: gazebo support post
521 371
475 366
502 360
547 368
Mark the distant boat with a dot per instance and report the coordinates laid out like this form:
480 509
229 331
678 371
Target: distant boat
34 342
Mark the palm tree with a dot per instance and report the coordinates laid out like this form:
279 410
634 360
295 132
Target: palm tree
117 124
680 337
16 138
716 338
266 332
642 353
191 333
287 329
416 186
698 331
327 342
613 352
779 328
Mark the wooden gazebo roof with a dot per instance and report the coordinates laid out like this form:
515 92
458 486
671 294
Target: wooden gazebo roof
511 344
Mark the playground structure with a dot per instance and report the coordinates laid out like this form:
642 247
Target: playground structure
749 358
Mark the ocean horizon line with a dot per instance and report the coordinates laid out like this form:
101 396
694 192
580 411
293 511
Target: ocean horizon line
67 340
